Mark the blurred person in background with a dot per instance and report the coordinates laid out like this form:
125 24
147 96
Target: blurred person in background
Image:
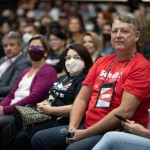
85 11
33 84
22 23
90 24
57 42
45 22
28 32
92 42
13 63
75 29
10 16
1 49
12 19
101 18
107 49
63 21
5 28
141 14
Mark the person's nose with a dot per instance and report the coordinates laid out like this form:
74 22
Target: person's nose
118 34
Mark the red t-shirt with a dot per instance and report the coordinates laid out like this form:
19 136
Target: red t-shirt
135 78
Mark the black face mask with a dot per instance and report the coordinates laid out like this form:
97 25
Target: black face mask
35 54
106 37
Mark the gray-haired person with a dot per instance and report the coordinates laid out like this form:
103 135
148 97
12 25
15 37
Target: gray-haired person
13 63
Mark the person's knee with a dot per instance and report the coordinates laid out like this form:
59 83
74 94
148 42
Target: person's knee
107 135
72 147
110 137
34 139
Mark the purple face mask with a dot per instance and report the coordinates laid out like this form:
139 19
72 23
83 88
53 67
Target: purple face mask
36 53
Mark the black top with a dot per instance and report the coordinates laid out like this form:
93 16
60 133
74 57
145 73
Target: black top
66 89
56 61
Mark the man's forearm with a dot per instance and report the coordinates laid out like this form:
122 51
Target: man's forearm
77 113
108 123
79 107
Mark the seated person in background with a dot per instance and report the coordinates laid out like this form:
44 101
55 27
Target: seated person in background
92 42
107 48
1 49
28 32
65 89
139 139
75 29
13 63
57 42
116 84
33 84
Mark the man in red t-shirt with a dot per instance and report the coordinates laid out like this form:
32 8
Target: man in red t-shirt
116 84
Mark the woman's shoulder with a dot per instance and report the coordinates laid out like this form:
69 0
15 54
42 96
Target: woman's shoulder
48 67
80 78
47 70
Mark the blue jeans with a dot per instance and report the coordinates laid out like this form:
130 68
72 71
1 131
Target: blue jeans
122 141
51 139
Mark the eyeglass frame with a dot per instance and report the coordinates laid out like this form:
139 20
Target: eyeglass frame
76 57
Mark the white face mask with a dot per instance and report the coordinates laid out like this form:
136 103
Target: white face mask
73 66
26 37
89 27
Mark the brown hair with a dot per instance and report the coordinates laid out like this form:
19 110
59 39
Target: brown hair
42 39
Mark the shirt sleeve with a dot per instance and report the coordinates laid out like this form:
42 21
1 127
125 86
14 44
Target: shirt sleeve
138 82
90 79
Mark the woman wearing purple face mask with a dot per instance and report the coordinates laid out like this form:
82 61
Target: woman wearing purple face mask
33 84
36 53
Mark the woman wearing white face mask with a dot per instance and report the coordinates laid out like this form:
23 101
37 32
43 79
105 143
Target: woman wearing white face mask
74 64
61 96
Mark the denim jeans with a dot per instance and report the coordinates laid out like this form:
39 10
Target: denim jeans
122 141
51 139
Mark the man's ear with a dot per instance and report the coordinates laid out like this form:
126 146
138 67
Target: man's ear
137 36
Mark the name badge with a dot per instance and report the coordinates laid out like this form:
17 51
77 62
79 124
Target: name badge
105 95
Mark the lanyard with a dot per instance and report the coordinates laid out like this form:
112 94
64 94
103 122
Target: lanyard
106 91
111 65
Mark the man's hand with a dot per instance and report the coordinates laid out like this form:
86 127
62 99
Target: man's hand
78 135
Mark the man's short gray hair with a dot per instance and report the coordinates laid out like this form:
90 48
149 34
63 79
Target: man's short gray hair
13 35
127 19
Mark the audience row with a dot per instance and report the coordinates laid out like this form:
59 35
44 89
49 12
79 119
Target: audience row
87 75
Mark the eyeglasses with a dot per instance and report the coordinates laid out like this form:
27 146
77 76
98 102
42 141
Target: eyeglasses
77 57
37 47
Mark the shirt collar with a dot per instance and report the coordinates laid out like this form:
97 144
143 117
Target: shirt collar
14 58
